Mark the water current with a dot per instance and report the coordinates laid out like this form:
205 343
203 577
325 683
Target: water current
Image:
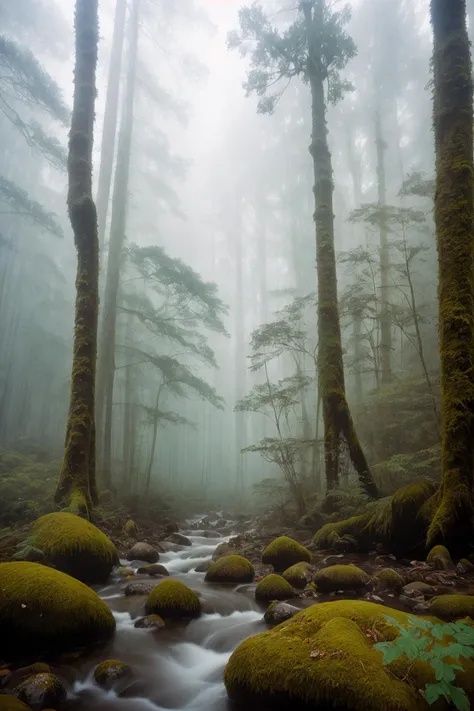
180 667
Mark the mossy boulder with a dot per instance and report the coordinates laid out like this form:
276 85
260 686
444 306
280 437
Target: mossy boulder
150 622
11 703
74 546
323 658
131 529
111 673
452 607
284 552
389 579
330 533
153 569
465 566
440 558
297 575
172 599
273 587
340 577
231 569
41 691
45 611
143 551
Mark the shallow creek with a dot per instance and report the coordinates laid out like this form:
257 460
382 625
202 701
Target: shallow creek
180 667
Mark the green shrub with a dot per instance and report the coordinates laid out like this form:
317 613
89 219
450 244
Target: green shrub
438 644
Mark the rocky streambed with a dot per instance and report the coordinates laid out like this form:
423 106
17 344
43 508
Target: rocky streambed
180 665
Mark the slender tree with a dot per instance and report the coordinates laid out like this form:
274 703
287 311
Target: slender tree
454 212
385 320
315 47
110 120
77 486
106 363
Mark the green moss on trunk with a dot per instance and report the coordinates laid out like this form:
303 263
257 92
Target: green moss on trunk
451 523
77 479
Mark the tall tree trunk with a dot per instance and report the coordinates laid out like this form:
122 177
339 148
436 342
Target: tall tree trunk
77 486
339 430
385 320
109 128
106 363
454 212
153 443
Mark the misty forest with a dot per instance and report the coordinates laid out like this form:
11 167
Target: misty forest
236 355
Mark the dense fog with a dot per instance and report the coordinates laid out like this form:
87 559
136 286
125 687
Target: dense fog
206 189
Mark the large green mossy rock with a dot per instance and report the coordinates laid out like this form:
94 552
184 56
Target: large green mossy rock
273 587
452 607
298 575
340 577
440 558
74 546
323 658
45 611
172 599
284 552
231 569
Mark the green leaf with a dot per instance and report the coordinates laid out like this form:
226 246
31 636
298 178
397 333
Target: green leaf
432 693
459 698
443 671
390 651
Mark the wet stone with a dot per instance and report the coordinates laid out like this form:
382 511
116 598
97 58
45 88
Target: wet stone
141 588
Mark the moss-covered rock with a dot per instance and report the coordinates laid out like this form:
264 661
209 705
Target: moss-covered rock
278 612
109 673
41 691
153 569
150 622
331 532
124 572
273 587
297 575
452 607
340 577
284 552
389 579
171 599
440 559
131 529
45 611
74 546
143 551
11 703
323 658
231 569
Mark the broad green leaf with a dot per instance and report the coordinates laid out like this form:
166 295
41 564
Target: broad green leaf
432 693
460 699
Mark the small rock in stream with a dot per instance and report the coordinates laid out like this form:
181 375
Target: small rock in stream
279 612
142 588
149 622
153 569
213 534
143 551
112 673
179 539
203 567
41 691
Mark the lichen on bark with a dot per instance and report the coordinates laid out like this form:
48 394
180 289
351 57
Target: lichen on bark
452 520
77 487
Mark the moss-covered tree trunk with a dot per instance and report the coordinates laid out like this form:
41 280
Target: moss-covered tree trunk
385 320
454 211
339 430
106 363
110 120
77 486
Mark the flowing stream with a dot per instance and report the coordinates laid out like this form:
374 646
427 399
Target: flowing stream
181 666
